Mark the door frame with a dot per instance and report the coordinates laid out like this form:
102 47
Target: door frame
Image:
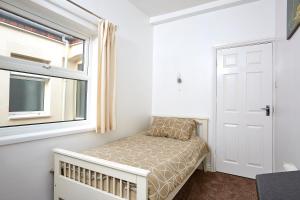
213 132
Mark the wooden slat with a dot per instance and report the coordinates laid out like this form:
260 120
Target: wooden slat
97 180
88 177
73 172
93 175
107 182
65 169
121 188
69 170
101 182
61 168
114 185
78 174
128 190
83 173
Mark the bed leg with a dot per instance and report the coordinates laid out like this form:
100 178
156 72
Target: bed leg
142 188
56 171
56 196
204 166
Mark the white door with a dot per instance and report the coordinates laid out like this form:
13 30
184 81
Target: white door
244 110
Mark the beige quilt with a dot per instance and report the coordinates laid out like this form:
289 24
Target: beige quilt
169 160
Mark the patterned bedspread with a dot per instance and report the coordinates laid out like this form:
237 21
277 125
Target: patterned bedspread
169 160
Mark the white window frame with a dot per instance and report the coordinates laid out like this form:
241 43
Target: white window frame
47 100
17 134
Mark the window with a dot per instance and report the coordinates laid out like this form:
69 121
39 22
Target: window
26 95
27 40
43 73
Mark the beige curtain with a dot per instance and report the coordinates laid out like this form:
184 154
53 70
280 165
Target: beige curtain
106 98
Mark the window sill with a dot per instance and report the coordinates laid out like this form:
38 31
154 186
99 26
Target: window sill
28 137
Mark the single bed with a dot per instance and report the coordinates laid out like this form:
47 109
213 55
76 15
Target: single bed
137 167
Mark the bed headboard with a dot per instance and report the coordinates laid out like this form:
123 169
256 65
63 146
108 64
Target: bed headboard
202 132
202 125
202 128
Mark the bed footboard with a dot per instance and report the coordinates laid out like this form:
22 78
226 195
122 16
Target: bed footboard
77 177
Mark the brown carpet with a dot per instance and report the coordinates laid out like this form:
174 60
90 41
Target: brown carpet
217 186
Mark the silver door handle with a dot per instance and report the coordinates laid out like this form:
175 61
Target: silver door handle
267 109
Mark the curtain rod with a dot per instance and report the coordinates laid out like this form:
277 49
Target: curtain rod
86 10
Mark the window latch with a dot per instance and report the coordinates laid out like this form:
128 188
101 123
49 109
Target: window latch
47 66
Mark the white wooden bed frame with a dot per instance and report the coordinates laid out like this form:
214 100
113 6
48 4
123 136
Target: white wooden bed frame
78 176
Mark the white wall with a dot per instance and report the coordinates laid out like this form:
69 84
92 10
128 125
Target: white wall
24 168
287 130
186 46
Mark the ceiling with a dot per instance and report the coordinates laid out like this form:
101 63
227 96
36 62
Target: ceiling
159 7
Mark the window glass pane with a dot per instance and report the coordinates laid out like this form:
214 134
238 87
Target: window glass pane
33 99
27 40
26 94
81 99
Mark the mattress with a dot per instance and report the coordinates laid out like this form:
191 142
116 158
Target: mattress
170 161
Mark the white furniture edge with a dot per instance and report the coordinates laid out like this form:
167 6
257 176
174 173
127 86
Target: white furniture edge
65 188
43 134
244 43
106 163
207 7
